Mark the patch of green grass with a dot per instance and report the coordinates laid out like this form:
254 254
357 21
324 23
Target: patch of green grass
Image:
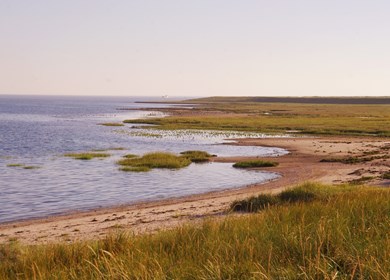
87 155
156 160
31 167
197 156
135 169
15 165
130 156
342 234
255 163
111 124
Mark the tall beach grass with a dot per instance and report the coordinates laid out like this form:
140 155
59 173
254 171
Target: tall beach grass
339 233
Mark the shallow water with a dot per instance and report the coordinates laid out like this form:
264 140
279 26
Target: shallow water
37 131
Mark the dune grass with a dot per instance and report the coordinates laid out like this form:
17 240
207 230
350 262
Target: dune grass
339 233
154 160
87 155
255 163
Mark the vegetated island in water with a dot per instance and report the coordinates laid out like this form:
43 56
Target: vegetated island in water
336 226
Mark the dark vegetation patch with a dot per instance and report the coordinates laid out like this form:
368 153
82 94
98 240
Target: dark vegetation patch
305 193
255 163
111 124
87 155
197 156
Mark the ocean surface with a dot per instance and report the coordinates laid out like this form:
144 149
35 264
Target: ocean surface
38 130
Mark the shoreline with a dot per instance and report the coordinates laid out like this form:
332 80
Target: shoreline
300 165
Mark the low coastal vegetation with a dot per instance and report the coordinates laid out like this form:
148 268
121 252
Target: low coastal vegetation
111 124
23 166
310 232
87 155
154 160
255 163
133 163
292 118
197 156
15 165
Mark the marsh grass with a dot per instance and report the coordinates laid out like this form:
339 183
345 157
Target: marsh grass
316 119
197 156
87 155
135 169
23 166
111 124
155 160
31 167
130 156
341 234
15 165
255 163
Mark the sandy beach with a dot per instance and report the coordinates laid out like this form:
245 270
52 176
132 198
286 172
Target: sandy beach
302 164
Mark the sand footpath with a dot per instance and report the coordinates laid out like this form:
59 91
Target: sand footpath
303 163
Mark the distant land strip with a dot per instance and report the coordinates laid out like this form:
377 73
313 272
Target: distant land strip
307 100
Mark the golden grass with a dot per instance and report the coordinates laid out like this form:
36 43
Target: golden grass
340 233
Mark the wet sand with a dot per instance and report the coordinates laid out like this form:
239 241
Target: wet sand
302 164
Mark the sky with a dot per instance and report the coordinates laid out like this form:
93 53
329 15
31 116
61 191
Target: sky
195 48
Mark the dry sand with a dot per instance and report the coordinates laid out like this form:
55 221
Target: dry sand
300 165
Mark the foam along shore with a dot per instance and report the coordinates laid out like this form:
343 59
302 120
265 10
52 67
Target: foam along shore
303 163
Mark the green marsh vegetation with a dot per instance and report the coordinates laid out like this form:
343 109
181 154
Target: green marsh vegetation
315 119
154 160
87 155
255 163
23 166
15 165
197 156
310 232
111 124
133 163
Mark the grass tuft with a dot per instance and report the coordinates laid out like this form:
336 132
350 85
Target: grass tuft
130 156
111 124
15 165
304 193
156 160
135 169
87 156
255 163
197 156
31 167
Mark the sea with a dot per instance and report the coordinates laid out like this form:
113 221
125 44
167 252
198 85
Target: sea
37 180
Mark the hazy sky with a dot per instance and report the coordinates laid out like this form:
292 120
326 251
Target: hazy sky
198 47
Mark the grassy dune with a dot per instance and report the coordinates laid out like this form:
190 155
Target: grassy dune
338 233
317 119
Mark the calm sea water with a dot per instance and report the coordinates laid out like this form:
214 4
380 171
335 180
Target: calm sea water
37 131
